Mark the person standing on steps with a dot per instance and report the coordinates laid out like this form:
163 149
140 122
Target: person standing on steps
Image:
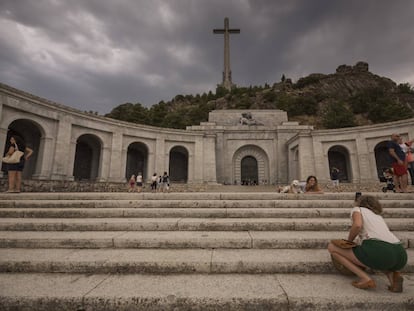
154 182
335 178
14 171
140 181
380 249
165 182
399 163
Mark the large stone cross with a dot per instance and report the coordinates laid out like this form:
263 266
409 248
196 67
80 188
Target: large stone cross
227 72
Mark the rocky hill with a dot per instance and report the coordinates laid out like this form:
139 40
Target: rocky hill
351 96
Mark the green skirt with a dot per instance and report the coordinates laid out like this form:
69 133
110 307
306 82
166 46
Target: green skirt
380 255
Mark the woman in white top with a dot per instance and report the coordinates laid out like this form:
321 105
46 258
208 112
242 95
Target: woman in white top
139 182
380 249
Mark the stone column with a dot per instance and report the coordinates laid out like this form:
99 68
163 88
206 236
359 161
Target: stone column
103 172
364 172
161 163
62 156
71 159
116 168
44 159
306 156
195 170
209 152
151 165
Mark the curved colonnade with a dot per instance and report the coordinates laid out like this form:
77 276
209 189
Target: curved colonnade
72 145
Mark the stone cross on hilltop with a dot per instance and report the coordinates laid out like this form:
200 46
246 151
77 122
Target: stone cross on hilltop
227 72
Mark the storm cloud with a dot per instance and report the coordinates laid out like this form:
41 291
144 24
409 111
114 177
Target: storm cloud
98 54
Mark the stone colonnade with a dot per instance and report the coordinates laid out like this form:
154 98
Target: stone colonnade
70 144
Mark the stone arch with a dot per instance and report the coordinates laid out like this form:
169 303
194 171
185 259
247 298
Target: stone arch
137 160
248 152
382 157
338 157
87 157
31 132
178 164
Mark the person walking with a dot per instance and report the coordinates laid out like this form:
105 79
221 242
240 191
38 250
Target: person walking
399 163
380 249
14 170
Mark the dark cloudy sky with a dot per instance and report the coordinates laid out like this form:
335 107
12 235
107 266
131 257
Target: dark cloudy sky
98 54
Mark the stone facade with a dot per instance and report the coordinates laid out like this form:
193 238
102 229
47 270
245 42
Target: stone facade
234 146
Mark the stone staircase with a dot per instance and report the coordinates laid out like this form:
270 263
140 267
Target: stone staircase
187 251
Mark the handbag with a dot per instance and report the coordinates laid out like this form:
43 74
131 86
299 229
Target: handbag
14 157
342 243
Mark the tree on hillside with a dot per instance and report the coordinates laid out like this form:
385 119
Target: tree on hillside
338 116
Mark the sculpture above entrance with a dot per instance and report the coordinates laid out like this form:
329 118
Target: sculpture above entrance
268 118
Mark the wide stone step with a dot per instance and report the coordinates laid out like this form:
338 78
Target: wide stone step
157 261
221 292
198 196
189 224
178 239
40 212
303 203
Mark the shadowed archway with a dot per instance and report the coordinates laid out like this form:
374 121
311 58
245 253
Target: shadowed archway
137 159
339 157
178 168
87 157
31 133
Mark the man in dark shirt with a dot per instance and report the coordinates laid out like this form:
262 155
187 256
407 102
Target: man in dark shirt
399 164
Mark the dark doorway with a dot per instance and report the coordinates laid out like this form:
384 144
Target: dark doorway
137 156
249 171
178 168
339 157
87 158
382 157
31 135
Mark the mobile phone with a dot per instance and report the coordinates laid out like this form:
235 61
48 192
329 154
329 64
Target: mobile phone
357 195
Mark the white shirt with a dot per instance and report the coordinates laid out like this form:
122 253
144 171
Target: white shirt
404 148
374 226
139 178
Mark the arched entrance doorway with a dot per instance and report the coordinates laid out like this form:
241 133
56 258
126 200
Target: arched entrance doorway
339 157
137 159
31 133
249 171
250 162
178 167
87 157
382 157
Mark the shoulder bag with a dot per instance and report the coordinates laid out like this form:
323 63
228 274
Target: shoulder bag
14 157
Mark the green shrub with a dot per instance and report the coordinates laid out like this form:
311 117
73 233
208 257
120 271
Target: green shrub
338 116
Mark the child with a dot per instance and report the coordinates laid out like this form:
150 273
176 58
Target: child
132 183
388 175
